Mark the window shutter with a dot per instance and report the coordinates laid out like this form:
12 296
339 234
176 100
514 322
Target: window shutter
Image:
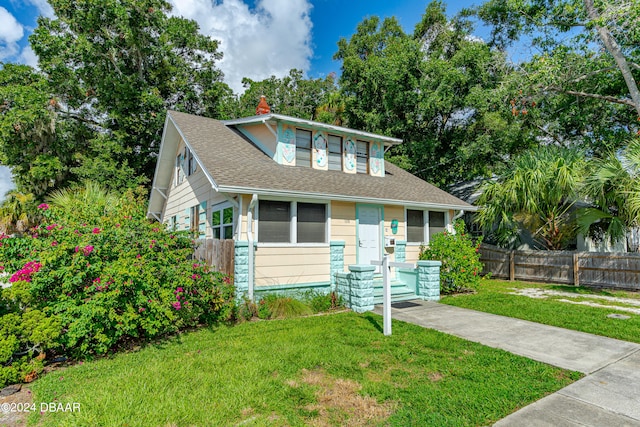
186 224
202 221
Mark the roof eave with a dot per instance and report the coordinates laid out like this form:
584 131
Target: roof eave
294 120
346 198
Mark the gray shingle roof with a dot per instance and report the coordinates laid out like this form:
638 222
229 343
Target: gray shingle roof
237 165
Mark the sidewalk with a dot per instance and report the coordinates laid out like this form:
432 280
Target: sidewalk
608 396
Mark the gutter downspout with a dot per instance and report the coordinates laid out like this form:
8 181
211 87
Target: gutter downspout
252 204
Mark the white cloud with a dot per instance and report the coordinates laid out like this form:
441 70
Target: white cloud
11 31
268 40
43 6
28 57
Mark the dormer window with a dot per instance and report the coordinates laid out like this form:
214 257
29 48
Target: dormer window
335 153
362 156
303 148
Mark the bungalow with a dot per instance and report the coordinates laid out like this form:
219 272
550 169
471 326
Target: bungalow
305 202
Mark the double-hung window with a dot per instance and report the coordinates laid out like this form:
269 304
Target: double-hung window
274 221
222 222
335 153
291 222
311 223
303 148
362 156
437 222
421 231
415 226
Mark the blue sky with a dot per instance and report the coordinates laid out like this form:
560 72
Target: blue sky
259 38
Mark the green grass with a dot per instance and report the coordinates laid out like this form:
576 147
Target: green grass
274 373
494 296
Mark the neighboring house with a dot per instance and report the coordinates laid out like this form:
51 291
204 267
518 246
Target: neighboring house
312 198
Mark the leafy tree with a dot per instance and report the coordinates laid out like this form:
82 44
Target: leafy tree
292 95
438 89
613 188
35 139
116 67
587 70
536 193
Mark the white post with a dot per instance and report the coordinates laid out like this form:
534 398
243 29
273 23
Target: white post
386 296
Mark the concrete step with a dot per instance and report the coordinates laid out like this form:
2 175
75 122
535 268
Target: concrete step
399 292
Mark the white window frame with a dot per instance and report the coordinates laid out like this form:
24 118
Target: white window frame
293 223
425 216
220 207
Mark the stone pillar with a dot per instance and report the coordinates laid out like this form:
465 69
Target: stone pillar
429 280
401 251
241 268
337 259
361 284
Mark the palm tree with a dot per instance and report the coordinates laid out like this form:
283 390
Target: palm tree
536 193
613 189
86 202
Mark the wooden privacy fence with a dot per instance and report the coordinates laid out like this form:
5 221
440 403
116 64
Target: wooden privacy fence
219 254
596 269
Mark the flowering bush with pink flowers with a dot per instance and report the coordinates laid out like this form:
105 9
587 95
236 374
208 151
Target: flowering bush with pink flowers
114 279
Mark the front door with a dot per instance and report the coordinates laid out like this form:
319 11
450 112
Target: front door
369 235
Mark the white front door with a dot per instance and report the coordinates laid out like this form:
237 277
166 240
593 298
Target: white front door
369 235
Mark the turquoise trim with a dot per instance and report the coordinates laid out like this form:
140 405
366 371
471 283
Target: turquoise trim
428 263
295 290
278 154
362 267
296 286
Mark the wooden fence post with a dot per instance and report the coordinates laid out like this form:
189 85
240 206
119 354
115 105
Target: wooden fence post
576 272
512 266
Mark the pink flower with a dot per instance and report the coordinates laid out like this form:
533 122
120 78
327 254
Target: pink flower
77 248
25 272
96 230
177 305
87 250
54 243
141 309
117 225
96 280
43 206
51 227
179 289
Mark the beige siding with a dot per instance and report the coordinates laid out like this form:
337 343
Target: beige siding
263 135
343 227
291 265
193 190
412 253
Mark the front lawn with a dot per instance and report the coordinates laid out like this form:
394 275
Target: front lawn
498 297
324 370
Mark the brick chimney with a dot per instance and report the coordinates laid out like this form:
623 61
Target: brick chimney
263 107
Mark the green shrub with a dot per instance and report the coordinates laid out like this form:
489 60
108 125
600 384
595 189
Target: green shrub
320 301
110 276
273 306
460 259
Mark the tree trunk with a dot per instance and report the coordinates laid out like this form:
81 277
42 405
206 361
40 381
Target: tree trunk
614 49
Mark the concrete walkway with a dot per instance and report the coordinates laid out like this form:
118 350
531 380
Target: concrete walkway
608 396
